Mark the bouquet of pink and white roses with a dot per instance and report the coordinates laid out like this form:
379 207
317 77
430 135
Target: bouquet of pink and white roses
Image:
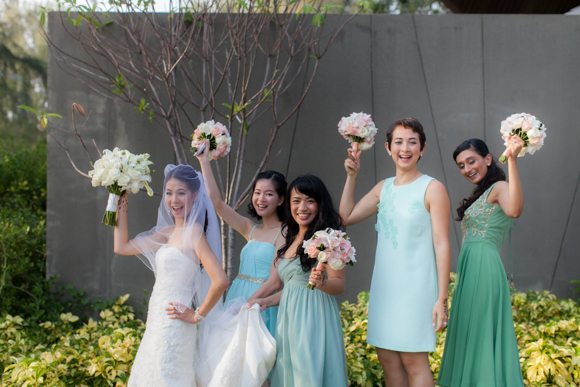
330 246
528 128
359 129
217 135
120 170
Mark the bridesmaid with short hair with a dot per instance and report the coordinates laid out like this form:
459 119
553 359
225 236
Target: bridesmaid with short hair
408 296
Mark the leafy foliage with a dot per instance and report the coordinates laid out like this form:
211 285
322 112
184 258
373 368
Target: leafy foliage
22 69
67 351
426 7
547 329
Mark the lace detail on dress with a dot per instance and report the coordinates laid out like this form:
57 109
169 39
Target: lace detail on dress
386 226
476 222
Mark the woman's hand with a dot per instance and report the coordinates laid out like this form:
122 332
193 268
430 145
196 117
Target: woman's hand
177 311
317 277
440 315
260 301
123 205
203 154
352 162
514 147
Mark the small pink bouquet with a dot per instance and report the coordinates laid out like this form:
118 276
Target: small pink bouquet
330 246
359 129
528 128
219 138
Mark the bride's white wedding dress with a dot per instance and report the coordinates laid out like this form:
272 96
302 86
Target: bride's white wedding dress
225 349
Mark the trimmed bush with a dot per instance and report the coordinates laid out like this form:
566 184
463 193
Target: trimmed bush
547 329
68 352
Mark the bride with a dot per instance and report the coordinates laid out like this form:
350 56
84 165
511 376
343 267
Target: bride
190 338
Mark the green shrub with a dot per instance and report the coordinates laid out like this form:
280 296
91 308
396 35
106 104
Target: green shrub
68 352
22 229
547 329
23 177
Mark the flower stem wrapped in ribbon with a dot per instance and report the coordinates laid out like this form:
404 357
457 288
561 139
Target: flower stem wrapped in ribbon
528 128
359 129
120 170
330 247
218 136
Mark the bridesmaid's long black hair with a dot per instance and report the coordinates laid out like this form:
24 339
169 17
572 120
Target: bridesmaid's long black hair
494 173
327 216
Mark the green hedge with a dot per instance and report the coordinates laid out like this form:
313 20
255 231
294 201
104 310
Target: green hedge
547 329
99 352
22 229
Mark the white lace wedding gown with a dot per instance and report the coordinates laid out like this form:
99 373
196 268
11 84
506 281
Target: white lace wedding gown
225 349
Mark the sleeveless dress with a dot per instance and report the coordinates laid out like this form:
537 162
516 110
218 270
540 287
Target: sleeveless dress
230 347
481 347
309 342
167 351
255 263
404 281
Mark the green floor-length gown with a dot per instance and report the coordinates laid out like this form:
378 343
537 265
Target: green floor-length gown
481 348
309 342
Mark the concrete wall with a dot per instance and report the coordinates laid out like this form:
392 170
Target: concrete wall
459 74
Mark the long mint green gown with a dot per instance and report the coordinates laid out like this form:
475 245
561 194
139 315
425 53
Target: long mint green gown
255 263
309 342
481 347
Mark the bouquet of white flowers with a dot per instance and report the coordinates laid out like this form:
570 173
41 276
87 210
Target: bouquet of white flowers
528 128
359 129
218 136
119 170
330 246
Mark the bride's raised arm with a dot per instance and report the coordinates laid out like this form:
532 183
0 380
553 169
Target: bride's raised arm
121 243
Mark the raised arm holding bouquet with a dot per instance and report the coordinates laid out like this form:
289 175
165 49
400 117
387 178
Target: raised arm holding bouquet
528 128
360 130
218 136
120 170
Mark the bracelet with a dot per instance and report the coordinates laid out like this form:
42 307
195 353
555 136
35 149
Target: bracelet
198 317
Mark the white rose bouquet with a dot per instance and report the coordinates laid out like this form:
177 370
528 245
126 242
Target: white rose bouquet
359 129
330 246
119 170
528 128
219 138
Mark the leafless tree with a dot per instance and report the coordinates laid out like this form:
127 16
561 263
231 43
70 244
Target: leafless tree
200 61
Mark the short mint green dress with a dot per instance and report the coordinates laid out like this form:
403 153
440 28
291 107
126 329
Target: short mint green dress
255 263
404 281
481 348
309 342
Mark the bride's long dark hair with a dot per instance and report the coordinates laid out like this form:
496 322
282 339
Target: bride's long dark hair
327 216
494 173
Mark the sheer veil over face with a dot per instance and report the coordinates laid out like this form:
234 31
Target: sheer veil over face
184 215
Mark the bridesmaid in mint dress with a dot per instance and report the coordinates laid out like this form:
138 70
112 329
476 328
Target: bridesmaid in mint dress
309 341
408 295
255 262
481 346
267 205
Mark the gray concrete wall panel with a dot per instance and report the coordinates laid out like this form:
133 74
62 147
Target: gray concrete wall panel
459 74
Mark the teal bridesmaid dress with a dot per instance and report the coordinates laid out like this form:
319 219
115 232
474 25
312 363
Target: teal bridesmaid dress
404 281
255 264
481 347
309 342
